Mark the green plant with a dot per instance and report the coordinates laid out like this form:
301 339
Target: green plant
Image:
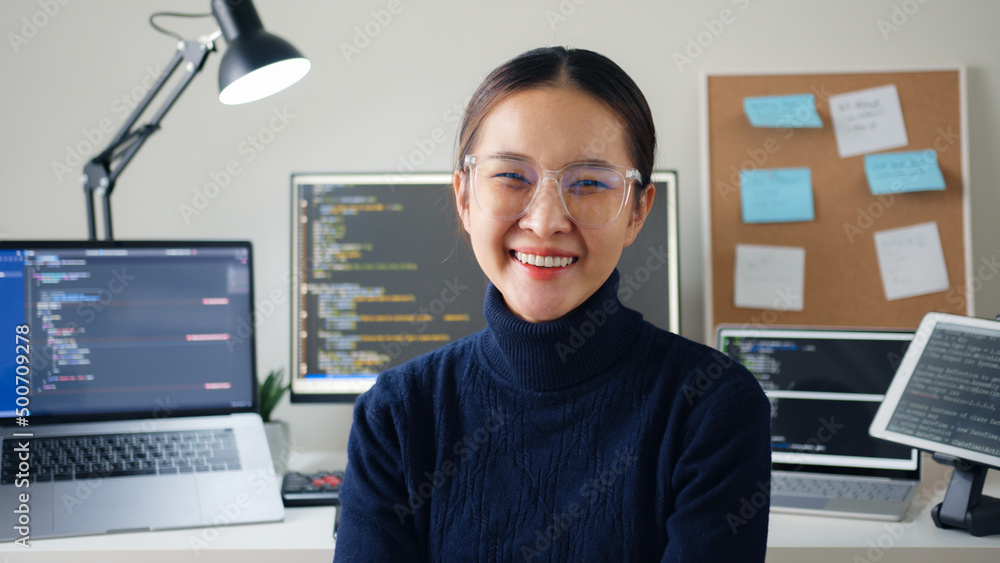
270 391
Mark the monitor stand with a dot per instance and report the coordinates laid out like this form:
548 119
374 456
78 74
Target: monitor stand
964 506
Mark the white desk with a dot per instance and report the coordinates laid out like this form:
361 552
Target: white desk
306 536
814 539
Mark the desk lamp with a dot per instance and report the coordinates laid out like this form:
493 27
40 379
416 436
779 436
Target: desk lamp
255 65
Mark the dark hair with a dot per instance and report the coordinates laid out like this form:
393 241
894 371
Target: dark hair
591 72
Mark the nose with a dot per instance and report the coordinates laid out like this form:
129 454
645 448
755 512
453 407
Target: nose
546 216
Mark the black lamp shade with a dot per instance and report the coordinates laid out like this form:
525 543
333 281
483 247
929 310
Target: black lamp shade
256 63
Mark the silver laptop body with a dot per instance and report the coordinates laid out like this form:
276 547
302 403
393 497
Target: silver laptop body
825 386
142 355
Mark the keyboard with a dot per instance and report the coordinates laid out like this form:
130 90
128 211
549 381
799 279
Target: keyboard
321 488
837 488
67 458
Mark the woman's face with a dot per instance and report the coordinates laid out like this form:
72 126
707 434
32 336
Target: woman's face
553 127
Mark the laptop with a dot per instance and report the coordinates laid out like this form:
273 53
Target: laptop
825 386
128 392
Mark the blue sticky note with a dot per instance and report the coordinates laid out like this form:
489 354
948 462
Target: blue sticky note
899 172
777 195
796 110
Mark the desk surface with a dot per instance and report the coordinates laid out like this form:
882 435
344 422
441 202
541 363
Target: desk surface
306 536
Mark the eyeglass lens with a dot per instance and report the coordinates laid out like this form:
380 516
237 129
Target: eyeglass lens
592 194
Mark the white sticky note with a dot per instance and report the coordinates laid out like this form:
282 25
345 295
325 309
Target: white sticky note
868 121
770 277
911 261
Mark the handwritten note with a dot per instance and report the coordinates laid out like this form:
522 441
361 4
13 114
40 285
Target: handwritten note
777 195
898 172
769 277
796 110
868 121
911 261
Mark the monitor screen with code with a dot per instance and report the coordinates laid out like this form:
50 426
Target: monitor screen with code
382 275
945 396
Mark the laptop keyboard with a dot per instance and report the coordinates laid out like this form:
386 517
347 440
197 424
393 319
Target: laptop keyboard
837 488
121 455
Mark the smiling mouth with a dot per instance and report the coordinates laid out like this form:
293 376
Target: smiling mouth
543 261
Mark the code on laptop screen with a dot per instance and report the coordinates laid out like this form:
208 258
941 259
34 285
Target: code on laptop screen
131 329
825 388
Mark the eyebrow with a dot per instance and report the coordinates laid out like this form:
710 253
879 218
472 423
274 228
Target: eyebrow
522 156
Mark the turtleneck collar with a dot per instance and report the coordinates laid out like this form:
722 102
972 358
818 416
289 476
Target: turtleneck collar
561 353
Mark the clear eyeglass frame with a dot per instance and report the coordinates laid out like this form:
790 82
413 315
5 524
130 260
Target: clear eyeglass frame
471 162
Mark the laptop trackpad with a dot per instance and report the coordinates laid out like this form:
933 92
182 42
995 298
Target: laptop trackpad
126 504
794 501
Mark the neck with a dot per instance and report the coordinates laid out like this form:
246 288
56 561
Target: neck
564 352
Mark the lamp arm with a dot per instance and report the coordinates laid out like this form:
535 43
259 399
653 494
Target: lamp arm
101 173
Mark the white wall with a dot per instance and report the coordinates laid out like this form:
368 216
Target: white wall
80 63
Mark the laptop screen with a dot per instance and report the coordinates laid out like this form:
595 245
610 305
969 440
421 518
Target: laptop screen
825 387
127 329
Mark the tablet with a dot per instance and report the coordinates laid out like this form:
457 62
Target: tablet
945 396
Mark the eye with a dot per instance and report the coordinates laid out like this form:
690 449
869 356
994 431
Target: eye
589 185
585 184
512 178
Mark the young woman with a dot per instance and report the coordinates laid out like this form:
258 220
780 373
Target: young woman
569 429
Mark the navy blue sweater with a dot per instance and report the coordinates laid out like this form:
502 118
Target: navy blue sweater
596 437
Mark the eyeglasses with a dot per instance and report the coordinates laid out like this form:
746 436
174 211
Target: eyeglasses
592 194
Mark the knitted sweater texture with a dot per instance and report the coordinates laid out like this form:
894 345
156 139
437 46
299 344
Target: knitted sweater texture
596 437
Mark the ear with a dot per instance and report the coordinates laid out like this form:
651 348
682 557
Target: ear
460 188
640 213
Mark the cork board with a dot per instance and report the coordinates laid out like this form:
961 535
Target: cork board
843 283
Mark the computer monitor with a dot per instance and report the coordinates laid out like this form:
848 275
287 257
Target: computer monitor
382 274
126 329
824 386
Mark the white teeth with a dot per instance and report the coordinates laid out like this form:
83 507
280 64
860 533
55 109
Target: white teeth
544 261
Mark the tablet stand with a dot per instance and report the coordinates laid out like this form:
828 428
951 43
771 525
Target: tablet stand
964 506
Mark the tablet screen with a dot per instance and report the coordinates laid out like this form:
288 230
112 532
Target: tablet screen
945 396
